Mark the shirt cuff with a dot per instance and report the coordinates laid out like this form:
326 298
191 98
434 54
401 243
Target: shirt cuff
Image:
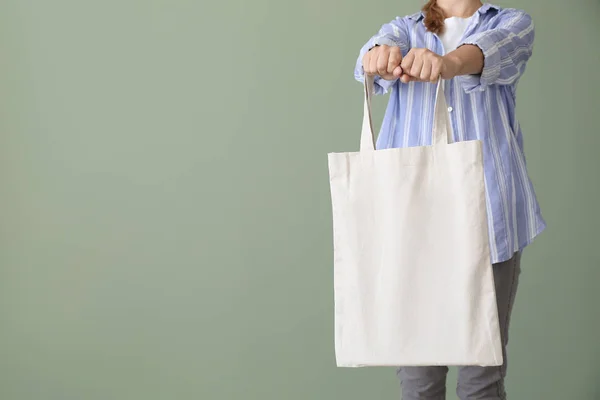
491 64
385 85
385 40
381 86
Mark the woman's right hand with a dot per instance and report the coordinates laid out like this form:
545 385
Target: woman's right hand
384 61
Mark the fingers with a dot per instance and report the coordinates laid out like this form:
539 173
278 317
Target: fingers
421 65
389 58
405 78
425 75
367 62
394 60
436 71
383 61
374 60
407 62
417 67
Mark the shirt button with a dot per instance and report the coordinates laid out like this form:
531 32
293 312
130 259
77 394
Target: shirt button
450 109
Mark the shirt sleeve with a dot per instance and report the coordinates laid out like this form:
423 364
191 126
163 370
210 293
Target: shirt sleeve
394 33
506 49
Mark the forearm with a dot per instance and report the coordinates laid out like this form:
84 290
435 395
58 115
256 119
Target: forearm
506 49
466 60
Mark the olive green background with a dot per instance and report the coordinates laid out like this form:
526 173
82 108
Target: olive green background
165 228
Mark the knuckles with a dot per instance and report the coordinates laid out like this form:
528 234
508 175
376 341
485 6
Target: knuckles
380 59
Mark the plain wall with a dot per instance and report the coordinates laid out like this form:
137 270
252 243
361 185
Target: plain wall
165 222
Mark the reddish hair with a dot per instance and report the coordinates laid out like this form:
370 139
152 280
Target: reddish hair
434 17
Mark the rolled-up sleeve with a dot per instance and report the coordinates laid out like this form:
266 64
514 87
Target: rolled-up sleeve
506 49
394 33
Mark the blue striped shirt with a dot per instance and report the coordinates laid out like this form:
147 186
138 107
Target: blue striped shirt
481 107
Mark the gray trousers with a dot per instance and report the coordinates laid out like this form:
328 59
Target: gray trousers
483 383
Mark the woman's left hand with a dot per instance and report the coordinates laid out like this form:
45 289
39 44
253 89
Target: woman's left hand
423 65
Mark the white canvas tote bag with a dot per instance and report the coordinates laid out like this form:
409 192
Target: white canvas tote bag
413 278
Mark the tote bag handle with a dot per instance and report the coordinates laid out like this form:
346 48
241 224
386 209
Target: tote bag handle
440 132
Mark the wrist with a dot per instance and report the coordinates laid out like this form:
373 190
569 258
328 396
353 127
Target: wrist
452 66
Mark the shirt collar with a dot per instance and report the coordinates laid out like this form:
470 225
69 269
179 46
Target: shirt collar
482 10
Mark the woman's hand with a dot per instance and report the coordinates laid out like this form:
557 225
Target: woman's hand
424 65
383 61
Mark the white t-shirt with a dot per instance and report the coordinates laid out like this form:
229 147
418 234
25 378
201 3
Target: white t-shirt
454 29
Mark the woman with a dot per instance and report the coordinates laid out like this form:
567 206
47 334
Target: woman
481 52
